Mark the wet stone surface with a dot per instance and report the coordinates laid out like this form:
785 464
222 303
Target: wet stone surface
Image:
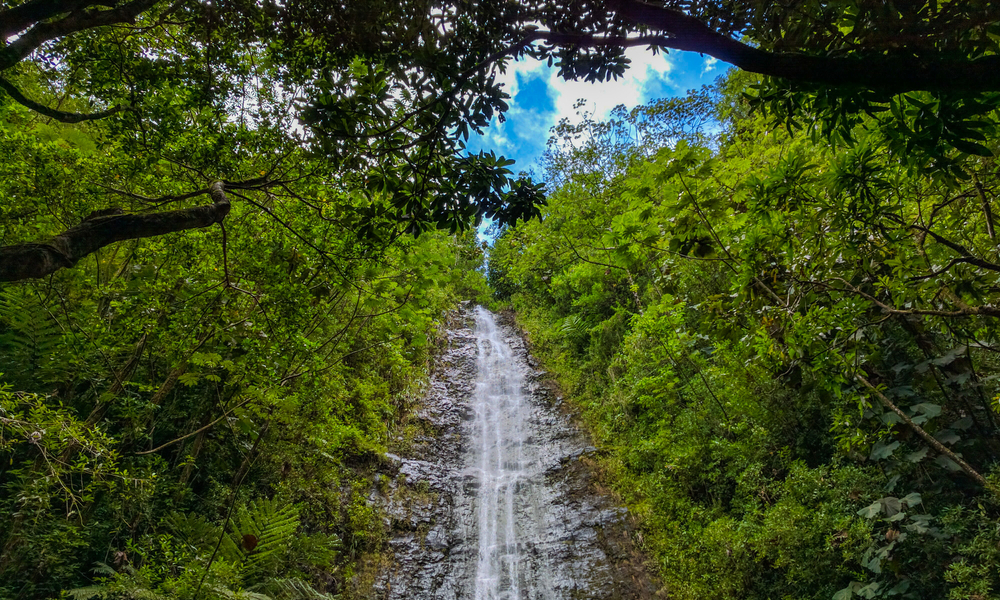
498 502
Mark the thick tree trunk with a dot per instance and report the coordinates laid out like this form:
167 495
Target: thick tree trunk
34 260
18 18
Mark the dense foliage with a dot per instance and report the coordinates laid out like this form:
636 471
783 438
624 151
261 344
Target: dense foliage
769 336
201 411
253 96
786 349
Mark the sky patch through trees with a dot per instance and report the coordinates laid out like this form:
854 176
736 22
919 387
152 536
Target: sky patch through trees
540 98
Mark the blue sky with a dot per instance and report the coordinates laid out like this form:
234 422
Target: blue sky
539 99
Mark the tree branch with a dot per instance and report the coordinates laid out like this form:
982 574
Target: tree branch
943 240
893 74
933 443
984 203
72 23
22 16
34 260
58 115
196 431
985 310
957 261
966 257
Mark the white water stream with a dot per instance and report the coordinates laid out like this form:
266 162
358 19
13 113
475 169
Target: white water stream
501 431
496 503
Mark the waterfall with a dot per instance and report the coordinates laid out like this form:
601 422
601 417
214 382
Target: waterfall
498 503
499 425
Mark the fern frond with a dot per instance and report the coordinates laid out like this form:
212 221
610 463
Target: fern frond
260 536
28 334
195 531
145 594
229 594
297 589
103 569
262 531
222 592
86 593
572 326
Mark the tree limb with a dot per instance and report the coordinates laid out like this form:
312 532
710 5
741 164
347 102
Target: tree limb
984 203
76 21
985 310
933 443
34 260
957 261
196 431
887 73
22 16
953 245
58 115
966 257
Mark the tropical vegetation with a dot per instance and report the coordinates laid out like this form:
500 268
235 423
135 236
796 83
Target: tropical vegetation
230 229
786 345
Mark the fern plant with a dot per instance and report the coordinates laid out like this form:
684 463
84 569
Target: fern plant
248 560
28 337
128 583
261 534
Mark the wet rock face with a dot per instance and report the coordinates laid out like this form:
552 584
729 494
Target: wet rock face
497 501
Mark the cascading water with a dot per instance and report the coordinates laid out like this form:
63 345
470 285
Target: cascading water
496 504
501 436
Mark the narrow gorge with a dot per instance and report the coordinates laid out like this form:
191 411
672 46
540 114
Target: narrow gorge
498 499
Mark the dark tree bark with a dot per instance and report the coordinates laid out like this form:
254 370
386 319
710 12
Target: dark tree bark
893 74
77 20
34 260
18 18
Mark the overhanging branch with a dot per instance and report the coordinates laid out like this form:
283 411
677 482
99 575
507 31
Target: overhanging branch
893 74
928 438
34 260
58 115
76 21
986 310
18 18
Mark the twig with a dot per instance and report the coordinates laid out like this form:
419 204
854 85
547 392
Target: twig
229 513
933 443
195 432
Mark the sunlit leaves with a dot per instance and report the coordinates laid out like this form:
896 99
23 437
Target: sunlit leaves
762 276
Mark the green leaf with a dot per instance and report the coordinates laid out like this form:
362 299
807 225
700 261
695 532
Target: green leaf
872 510
947 463
874 565
947 436
882 451
870 590
188 379
974 148
847 592
891 505
928 409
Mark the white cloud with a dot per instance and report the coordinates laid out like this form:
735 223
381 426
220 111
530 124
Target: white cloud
630 90
646 74
498 135
710 62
